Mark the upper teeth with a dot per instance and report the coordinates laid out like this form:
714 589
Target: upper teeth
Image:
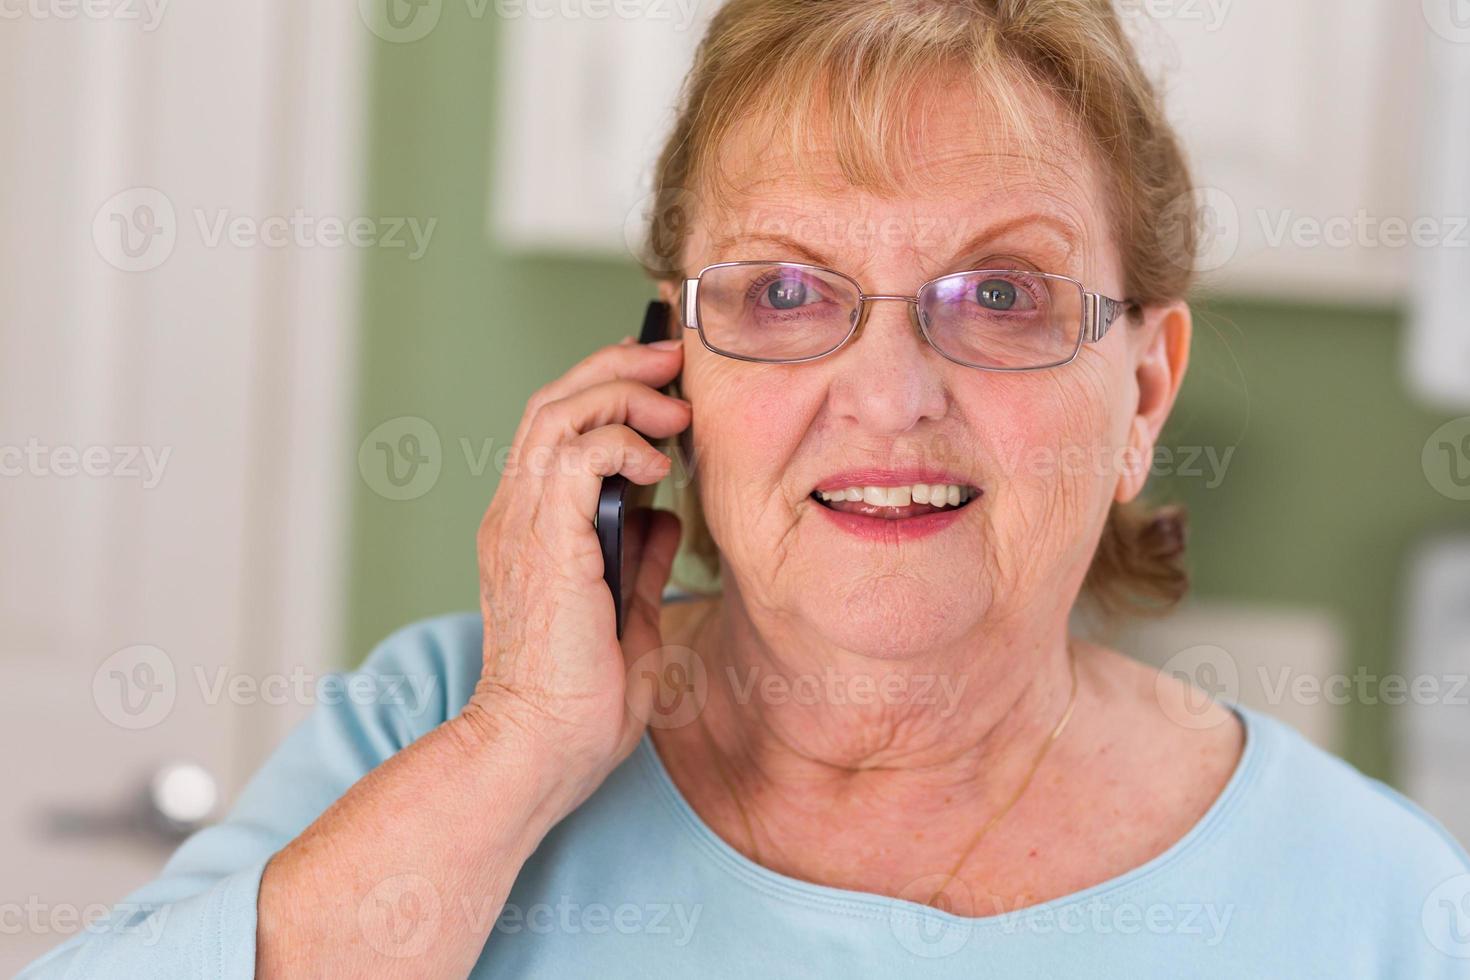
935 494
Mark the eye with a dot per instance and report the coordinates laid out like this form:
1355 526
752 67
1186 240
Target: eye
788 293
1002 295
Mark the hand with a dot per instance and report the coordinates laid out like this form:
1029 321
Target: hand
554 667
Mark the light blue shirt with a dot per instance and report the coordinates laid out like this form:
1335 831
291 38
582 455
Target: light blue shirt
1302 867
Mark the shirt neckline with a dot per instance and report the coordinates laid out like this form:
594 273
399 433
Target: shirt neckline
784 888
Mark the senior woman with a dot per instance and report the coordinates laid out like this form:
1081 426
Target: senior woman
925 279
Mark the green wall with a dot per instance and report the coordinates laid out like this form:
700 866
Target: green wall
1325 497
1322 501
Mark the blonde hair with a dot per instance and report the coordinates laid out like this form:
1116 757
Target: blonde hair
860 66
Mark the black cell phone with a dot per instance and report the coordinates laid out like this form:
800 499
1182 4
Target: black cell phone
619 505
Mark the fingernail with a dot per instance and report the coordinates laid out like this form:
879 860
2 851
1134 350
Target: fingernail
670 344
625 341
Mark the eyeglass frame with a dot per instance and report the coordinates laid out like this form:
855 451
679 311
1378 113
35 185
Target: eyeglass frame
1099 313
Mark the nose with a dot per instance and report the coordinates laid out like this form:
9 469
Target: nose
888 378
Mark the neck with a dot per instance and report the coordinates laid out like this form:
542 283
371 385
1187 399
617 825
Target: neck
794 727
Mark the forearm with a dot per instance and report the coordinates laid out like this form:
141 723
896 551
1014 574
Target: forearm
406 873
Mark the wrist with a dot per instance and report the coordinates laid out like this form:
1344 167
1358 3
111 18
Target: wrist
507 753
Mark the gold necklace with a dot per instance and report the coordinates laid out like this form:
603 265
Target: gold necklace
1056 733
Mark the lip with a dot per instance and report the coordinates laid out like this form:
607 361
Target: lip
907 529
891 531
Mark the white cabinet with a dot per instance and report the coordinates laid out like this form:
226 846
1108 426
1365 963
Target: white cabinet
1433 724
1301 120
1439 341
583 108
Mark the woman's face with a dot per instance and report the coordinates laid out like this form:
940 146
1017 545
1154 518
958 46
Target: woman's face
1039 450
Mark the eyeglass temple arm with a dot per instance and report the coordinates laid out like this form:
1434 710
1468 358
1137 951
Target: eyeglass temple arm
1101 313
686 303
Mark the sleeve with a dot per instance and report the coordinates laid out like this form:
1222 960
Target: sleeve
197 919
1431 875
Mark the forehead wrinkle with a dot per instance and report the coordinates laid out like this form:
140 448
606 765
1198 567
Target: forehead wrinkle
765 170
780 192
852 232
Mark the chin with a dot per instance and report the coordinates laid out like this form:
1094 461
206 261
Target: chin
894 617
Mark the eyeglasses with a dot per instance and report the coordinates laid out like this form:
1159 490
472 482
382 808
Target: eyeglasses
991 319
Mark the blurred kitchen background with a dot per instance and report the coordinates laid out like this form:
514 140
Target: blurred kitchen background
278 278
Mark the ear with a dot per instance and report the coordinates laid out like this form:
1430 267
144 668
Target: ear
1160 357
669 292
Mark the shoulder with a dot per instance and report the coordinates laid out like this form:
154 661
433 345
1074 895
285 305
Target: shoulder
1307 838
1359 826
1371 865
1307 800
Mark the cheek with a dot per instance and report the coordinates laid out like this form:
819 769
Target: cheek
1050 451
748 421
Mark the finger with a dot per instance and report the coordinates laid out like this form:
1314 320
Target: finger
646 363
638 406
576 469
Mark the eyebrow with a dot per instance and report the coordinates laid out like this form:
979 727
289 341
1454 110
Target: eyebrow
1065 230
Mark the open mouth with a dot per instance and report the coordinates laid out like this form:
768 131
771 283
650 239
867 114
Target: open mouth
897 503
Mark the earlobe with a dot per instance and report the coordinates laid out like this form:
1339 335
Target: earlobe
1161 361
668 292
